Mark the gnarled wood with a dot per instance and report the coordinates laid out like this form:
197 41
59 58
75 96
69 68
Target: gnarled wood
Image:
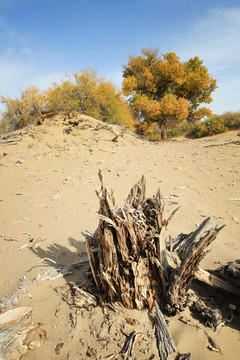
129 257
190 249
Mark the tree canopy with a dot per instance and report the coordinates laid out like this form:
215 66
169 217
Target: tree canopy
165 90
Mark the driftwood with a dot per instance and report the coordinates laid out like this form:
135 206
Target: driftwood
131 261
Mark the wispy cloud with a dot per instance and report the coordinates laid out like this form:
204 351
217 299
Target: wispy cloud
215 39
12 35
20 69
21 64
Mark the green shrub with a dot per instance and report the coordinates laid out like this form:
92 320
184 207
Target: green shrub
180 129
232 119
212 126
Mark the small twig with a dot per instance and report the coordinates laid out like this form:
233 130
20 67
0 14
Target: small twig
53 261
212 346
59 193
219 326
22 247
23 220
87 182
20 193
60 275
8 238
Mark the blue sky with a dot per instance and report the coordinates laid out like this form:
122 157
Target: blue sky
41 41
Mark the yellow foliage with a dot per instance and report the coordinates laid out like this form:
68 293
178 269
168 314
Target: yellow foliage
165 90
167 111
83 92
173 108
150 108
212 126
197 115
150 131
129 85
22 111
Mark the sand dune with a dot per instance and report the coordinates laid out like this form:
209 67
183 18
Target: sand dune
48 181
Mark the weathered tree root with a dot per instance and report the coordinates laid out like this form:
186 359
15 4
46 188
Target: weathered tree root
131 261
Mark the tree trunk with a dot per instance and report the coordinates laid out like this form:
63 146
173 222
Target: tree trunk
131 261
163 133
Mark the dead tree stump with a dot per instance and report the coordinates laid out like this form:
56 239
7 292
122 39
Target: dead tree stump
131 261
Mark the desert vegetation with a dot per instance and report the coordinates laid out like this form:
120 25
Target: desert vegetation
216 124
164 90
161 98
84 92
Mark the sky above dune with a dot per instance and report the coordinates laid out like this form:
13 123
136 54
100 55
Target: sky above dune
41 41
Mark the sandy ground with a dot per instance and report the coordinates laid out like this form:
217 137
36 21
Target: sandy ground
49 175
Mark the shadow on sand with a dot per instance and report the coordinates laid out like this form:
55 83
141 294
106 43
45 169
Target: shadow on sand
73 265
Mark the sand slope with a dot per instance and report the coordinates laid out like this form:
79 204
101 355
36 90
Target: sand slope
48 181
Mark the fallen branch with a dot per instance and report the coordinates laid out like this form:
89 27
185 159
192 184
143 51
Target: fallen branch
165 343
234 142
212 280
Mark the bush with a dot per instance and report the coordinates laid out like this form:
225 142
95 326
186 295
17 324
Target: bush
83 92
22 111
232 119
150 131
91 95
180 129
212 126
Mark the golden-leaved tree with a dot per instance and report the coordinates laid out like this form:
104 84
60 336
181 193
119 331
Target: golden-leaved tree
164 90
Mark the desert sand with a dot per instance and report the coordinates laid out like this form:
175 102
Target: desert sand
49 174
